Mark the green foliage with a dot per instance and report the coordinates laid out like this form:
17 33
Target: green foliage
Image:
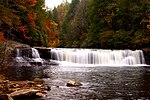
120 40
118 24
55 15
97 22
115 24
67 29
141 39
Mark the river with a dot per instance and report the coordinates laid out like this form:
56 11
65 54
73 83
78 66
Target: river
98 83
104 74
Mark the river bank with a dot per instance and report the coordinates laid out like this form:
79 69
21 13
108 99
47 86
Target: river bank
10 90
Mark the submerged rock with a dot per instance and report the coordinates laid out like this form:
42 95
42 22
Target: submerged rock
73 83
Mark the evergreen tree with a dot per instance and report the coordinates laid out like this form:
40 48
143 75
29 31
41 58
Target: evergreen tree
97 22
65 34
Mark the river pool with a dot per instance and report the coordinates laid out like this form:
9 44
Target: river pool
98 83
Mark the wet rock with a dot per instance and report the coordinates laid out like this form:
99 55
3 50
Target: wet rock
44 52
6 97
5 81
38 81
20 89
30 83
73 83
38 94
47 88
10 98
23 92
2 77
39 85
13 86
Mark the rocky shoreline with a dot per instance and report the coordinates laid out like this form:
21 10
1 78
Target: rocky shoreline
11 90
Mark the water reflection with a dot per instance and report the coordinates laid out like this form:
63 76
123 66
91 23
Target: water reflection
25 72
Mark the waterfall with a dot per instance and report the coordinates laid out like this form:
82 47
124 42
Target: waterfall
35 53
98 56
27 56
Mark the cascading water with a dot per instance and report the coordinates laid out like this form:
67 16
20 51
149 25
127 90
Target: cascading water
27 64
35 53
98 56
26 56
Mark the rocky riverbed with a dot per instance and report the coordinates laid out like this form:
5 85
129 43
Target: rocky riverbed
10 90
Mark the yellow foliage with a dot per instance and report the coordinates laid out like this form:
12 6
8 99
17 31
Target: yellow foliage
54 24
52 31
54 43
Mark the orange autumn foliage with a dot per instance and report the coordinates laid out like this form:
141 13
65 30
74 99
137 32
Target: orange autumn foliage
48 22
32 23
51 24
24 30
29 3
2 39
52 31
49 32
31 17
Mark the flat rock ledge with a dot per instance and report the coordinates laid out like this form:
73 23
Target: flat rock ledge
12 90
23 93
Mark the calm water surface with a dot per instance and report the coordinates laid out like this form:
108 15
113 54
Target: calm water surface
99 83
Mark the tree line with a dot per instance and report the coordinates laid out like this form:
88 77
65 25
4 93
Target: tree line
108 24
27 21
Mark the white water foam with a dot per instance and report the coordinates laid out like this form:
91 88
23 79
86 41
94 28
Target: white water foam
70 64
98 57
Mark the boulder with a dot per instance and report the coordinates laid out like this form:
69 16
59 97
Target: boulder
73 83
48 88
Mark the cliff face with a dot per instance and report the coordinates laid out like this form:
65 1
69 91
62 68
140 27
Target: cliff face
147 55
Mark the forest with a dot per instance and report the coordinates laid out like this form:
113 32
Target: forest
35 60
106 24
27 21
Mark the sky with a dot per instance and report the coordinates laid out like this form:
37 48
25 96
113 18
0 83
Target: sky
54 3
